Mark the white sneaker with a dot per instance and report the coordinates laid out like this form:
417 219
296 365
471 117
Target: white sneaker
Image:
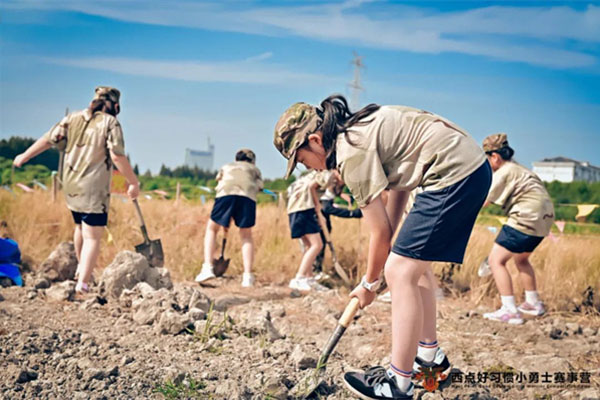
316 285
385 298
300 284
206 274
504 315
247 280
536 309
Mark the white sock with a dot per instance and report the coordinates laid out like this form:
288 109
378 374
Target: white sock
402 377
532 297
426 351
508 302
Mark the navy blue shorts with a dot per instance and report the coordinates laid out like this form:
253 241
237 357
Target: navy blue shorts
100 219
304 222
241 208
439 225
516 241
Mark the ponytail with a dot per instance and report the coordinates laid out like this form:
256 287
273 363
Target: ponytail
506 153
104 105
337 118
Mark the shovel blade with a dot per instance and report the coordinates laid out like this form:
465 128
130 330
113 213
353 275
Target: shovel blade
220 265
153 252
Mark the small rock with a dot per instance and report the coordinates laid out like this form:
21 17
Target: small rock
41 283
196 314
301 360
26 375
146 311
574 328
64 291
127 360
588 331
556 333
294 294
222 303
173 375
172 323
199 300
32 294
94 373
61 264
144 289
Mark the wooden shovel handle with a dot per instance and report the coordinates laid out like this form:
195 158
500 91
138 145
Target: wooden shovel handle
141 217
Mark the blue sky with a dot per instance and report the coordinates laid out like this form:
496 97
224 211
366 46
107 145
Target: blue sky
190 70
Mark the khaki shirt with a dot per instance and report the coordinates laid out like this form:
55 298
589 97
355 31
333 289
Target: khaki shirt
87 141
299 196
403 148
523 197
239 178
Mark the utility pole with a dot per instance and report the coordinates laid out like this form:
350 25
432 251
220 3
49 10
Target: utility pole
355 85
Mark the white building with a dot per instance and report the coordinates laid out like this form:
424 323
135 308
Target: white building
203 159
564 169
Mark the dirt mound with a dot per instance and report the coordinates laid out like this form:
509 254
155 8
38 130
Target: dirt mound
256 344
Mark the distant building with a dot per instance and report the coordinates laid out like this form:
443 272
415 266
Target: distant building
201 158
564 169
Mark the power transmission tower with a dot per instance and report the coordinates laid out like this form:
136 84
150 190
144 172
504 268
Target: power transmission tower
355 84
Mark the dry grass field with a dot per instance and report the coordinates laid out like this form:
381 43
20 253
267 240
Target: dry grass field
565 268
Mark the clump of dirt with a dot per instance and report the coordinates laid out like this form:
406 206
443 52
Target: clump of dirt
225 342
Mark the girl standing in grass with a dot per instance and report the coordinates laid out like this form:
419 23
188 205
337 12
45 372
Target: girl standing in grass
397 148
92 140
523 197
303 207
239 184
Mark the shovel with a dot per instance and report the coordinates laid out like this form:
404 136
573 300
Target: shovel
312 382
151 249
336 265
221 264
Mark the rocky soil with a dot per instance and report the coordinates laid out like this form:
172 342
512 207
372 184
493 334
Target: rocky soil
138 335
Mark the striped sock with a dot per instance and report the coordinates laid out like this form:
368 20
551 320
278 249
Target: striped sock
402 377
427 350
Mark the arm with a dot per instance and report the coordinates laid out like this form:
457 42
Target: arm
315 197
380 229
40 145
124 167
395 207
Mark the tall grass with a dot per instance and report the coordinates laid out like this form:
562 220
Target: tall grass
565 268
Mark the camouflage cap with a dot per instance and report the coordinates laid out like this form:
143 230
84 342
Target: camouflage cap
249 154
292 130
107 92
495 142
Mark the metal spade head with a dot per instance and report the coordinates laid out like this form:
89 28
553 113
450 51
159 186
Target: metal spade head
153 252
220 265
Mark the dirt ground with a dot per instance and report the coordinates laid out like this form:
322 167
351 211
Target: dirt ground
92 349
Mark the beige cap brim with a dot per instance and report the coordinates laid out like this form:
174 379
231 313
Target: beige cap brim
291 165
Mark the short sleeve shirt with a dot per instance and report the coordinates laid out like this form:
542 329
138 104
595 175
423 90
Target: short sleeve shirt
524 199
299 196
239 178
401 148
87 141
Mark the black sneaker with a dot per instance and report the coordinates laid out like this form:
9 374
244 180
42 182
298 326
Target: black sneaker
376 383
440 366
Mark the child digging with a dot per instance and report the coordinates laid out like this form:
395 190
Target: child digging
523 197
92 140
399 148
302 207
239 183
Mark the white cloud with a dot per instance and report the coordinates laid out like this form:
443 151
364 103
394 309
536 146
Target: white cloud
250 71
534 35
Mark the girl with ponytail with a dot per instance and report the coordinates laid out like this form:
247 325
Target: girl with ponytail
396 148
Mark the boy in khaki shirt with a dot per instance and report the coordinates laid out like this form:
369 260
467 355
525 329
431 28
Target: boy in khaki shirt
524 199
239 183
92 140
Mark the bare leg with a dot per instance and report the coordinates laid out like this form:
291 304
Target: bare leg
402 275
497 259
526 272
427 287
247 249
313 244
77 243
210 239
89 250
